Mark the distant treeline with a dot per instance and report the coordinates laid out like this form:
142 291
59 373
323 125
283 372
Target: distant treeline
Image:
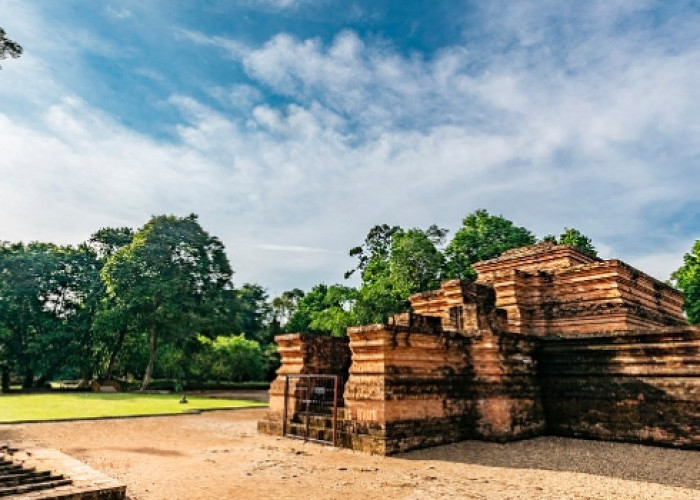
159 302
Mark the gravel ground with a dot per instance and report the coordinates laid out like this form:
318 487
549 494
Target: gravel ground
220 455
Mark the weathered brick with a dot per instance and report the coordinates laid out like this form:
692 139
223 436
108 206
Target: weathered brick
549 340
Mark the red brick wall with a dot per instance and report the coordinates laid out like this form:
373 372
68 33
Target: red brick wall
413 387
625 386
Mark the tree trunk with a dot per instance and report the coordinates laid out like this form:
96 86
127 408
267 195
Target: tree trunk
50 371
153 347
115 353
28 382
5 378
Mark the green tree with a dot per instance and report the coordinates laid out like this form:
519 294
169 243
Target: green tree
374 252
8 47
166 282
575 238
687 279
416 264
325 309
110 324
82 292
395 263
284 306
48 296
234 358
107 240
483 236
252 312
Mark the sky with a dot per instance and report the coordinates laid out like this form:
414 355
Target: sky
291 127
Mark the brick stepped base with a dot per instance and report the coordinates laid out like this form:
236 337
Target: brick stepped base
16 479
30 472
320 428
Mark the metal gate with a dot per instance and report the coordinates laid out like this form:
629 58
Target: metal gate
311 408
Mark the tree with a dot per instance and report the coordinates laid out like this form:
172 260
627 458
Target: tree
575 238
416 264
8 47
374 251
166 282
395 263
110 321
48 295
237 359
83 291
687 279
325 309
482 237
284 306
107 240
252 311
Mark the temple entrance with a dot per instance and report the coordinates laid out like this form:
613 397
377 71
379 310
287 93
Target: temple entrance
311 407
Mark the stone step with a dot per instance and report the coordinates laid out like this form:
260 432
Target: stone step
9 468
27 477
26 488
316 433
314 421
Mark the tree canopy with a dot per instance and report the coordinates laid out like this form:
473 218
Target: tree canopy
160 301
687 279
575 238
483 236
167 280
9 47
395 263
325 309
48 295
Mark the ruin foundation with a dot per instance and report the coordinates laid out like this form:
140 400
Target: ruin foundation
549 340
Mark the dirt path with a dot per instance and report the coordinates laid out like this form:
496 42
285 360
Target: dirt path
220 455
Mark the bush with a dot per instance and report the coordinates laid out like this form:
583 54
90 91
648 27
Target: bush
237 359
232 358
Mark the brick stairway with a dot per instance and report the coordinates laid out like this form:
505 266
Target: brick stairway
31 472
16 479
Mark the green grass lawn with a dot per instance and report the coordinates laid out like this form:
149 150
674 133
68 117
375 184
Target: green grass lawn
26 407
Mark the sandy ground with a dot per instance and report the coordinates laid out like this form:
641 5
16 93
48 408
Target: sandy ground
220 455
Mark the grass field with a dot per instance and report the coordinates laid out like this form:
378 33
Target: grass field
29 407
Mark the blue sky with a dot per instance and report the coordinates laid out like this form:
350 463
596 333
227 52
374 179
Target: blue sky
293 126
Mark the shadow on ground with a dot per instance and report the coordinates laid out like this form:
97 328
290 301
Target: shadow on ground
670 467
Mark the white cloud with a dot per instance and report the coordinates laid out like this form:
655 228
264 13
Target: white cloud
279 4
118 12
367 135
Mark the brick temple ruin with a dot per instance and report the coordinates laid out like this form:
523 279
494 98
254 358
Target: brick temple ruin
548 341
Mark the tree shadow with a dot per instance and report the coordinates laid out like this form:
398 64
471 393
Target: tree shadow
622 391
634 462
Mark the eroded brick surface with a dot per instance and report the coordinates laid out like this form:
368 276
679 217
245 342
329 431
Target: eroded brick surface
549 340
60 476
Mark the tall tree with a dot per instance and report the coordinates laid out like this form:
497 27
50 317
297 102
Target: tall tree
325 309
8 47
83 290
284 306
374 252
252 312
575 238
687 278
394 263
49 294
107 240
110 324
167 280
482 236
